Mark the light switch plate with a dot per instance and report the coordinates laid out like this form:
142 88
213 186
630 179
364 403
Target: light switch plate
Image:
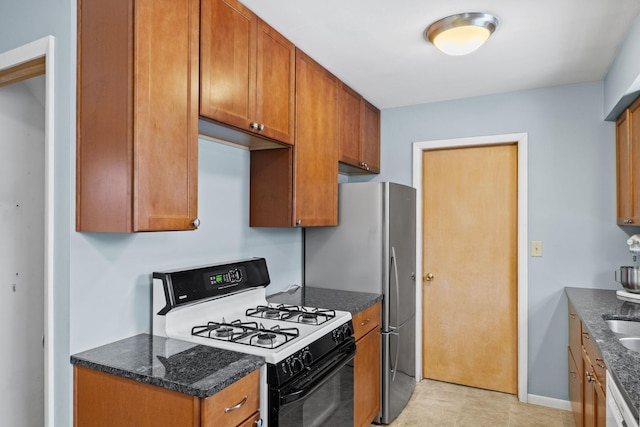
536 248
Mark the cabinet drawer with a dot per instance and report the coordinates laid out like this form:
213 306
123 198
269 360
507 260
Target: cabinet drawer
234 404
252 421
594 357
366 320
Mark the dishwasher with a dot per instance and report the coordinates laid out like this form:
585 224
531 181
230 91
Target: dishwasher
618 412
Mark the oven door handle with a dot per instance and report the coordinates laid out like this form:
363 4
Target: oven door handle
312 382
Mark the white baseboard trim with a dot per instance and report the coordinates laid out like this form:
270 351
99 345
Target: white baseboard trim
549 402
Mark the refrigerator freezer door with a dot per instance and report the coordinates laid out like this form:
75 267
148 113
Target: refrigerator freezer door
349 256
398 370
401 234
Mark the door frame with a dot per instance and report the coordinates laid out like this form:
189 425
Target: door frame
520 139
37 49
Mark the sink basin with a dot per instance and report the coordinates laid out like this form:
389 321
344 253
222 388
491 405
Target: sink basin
632 343
625 327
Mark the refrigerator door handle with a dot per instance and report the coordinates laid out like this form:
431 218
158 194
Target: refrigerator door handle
395 363
394 263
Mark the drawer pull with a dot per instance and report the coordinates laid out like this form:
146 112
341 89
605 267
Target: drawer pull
600 363
586 335
572 315
573 374
366 321
589 377
238 406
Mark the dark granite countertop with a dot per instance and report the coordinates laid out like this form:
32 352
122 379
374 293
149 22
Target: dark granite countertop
594 306
332 299
188 368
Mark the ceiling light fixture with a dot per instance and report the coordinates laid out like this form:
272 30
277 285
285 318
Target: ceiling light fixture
462 33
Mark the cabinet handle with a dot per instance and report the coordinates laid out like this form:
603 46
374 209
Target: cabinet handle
298 223
261 127
589 376
572 315
253 125
600 363
365 322
628 221
196 222
573 374
586 335
258 422
238 406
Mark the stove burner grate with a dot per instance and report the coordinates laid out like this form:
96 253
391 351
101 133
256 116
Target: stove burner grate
247 333
292 313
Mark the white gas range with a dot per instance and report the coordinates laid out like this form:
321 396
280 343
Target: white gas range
308 351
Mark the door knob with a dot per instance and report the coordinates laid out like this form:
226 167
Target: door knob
428 277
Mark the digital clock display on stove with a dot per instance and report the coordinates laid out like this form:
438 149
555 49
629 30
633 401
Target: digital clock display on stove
223 279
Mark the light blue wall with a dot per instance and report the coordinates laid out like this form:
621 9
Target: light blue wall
571 196
111 272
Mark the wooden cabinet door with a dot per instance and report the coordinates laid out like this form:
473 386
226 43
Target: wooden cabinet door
228 62
589 408
370 146
575 388
600 406
315 184
137 122
349 125
575 337
367 379
624 167
627 159
275 85
105 400
166 115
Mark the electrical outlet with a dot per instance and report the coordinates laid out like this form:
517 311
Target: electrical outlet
536 248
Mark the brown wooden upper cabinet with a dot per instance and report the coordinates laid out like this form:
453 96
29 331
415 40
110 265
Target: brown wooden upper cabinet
247 72
359 133
137 115
628 161
298 186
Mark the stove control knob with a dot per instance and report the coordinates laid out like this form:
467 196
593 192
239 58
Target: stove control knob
338 335
296 365
307 358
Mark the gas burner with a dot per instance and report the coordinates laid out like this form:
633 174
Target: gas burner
271 314
224 331
308 318
266 339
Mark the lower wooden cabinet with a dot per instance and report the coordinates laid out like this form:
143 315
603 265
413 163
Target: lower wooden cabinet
102 400
367 366
586 376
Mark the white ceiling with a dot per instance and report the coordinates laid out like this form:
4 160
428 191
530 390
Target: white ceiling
377 46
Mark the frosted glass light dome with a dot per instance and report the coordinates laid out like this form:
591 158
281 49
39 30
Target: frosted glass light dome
461 34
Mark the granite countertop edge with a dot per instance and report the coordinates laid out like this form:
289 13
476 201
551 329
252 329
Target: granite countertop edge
595 306
199 376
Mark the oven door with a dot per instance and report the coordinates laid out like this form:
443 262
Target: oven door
322 396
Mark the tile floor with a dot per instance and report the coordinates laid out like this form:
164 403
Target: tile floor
442 404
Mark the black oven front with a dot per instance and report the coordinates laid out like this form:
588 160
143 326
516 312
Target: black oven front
320 395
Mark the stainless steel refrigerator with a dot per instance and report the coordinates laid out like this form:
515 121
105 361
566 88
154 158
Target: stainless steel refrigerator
373 249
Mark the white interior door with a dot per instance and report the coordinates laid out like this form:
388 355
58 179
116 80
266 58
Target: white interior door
22 198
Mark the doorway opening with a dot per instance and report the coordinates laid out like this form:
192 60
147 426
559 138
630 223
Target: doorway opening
520 140
27 203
